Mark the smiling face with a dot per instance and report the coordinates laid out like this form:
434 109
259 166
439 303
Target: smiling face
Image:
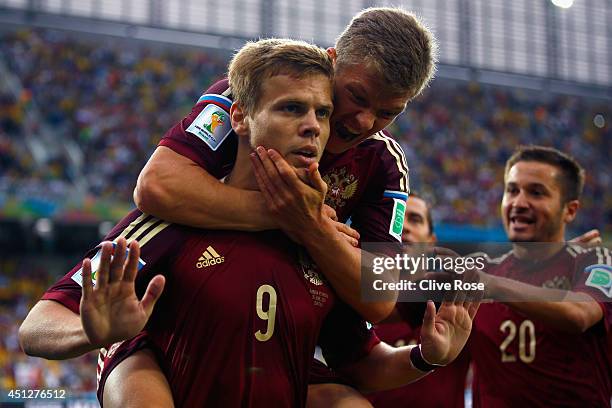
363 105
532 208
292 117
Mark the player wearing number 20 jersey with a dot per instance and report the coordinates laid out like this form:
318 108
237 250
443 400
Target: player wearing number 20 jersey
522 362
238 320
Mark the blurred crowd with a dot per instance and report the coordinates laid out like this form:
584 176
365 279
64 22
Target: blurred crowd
115 101
22 282
458 136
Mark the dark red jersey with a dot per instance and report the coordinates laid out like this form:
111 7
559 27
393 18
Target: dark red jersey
445 387
520 361
368 183
240 315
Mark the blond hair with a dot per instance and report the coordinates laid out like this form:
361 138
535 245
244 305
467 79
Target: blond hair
259 60
395 42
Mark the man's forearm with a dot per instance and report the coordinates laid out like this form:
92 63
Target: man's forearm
384 368
54 332
174 188
563 310
340 262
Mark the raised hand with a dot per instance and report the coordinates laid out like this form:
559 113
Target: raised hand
111 311
444 334
589 239
295 204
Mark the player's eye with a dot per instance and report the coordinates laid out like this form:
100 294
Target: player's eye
292 108
388 115
323 113
358 99
415 219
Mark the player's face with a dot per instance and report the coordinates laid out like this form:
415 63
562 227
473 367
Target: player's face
531 207
292 117
363 105
416 226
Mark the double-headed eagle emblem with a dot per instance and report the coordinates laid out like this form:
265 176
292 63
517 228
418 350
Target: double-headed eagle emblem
341 187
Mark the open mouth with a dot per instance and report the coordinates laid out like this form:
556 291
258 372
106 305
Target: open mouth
521 221
345 134
306 155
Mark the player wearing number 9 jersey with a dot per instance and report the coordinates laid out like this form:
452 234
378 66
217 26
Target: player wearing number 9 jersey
239 317
241 312
541 352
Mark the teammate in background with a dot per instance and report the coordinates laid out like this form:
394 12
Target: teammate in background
445 387
365 170
545 353
258 312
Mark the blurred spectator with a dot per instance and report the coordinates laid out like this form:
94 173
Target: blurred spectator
22 282
116 101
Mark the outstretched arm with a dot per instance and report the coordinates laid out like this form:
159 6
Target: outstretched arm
443 336
176 189
54 332
109 312
571 312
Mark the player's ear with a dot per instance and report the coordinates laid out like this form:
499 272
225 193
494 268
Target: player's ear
239 118
331 51
571 208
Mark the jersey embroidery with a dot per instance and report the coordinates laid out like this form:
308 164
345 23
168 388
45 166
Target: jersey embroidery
342 186
209 257
309 269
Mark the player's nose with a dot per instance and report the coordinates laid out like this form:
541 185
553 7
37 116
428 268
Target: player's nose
520 200
365 120
311 126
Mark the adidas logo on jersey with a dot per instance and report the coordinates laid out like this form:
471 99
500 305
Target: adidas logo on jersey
209 257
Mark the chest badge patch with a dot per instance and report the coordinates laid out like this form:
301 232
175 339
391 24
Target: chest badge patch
309 269
341 187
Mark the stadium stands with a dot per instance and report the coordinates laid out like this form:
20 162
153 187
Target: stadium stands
114 103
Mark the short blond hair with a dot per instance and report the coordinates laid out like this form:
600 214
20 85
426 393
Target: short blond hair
396 42
256 61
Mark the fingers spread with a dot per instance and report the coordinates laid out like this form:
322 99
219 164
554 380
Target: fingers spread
87 283
131 265
102 276
429 318
152 294
118 260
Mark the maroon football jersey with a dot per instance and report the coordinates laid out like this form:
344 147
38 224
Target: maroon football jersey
240 315
520 362
368 183
445 387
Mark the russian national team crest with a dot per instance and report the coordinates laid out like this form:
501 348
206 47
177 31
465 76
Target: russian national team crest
341 187
309 268
212 125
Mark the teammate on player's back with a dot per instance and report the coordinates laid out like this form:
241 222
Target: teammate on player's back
241 330
544 352
365 170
